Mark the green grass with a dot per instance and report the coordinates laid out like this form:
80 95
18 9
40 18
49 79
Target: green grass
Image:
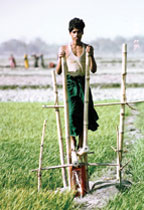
22 199
133 198
20 136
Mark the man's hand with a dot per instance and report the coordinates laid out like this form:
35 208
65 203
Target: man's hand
89 50
61 53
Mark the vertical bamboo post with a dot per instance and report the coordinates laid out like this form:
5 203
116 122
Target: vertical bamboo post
85 123
59 128
118 158
66 113
41 153
86 103
122 109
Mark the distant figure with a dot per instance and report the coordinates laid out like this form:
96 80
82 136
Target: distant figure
52 65
26 62
136 45
42 61
36 58
12 62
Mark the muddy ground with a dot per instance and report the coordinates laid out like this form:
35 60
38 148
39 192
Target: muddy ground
36 84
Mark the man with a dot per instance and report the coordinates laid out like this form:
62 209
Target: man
75 54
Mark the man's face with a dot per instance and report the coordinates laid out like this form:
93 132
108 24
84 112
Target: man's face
76 34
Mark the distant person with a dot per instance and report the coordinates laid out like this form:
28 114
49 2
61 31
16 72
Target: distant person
52 65
136 45
36 59
26 62
42 61
12 62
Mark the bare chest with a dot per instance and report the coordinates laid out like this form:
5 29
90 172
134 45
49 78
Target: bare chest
77 51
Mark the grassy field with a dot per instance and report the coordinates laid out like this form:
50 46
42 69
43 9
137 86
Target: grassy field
20 136
133 198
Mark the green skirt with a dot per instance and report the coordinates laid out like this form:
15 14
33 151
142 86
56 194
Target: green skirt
75 86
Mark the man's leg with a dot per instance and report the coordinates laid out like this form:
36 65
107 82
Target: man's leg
80 140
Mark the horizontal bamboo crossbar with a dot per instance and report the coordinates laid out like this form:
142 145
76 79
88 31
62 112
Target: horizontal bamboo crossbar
70 165
96 105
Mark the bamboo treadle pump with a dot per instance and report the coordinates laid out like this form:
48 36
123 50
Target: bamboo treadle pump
77 174
77 164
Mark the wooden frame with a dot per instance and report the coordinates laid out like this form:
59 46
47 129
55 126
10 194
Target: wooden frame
120 130
59 128
66 114
122 112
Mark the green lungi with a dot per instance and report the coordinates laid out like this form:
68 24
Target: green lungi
75 86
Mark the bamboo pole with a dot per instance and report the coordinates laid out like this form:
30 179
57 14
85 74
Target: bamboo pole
86 104
118 158
41 153
122 109
98 105
71 165
59 128
66 113
85 148
125 165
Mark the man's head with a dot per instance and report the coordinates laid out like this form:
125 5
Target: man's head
76 23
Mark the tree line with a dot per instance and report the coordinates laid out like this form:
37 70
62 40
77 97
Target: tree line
102 46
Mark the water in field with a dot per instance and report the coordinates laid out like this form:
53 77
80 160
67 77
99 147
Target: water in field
35 84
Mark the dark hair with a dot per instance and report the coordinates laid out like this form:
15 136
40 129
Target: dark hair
76 23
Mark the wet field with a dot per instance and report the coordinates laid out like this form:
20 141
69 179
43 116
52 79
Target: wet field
35 84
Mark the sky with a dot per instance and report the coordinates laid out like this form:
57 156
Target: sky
48 19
